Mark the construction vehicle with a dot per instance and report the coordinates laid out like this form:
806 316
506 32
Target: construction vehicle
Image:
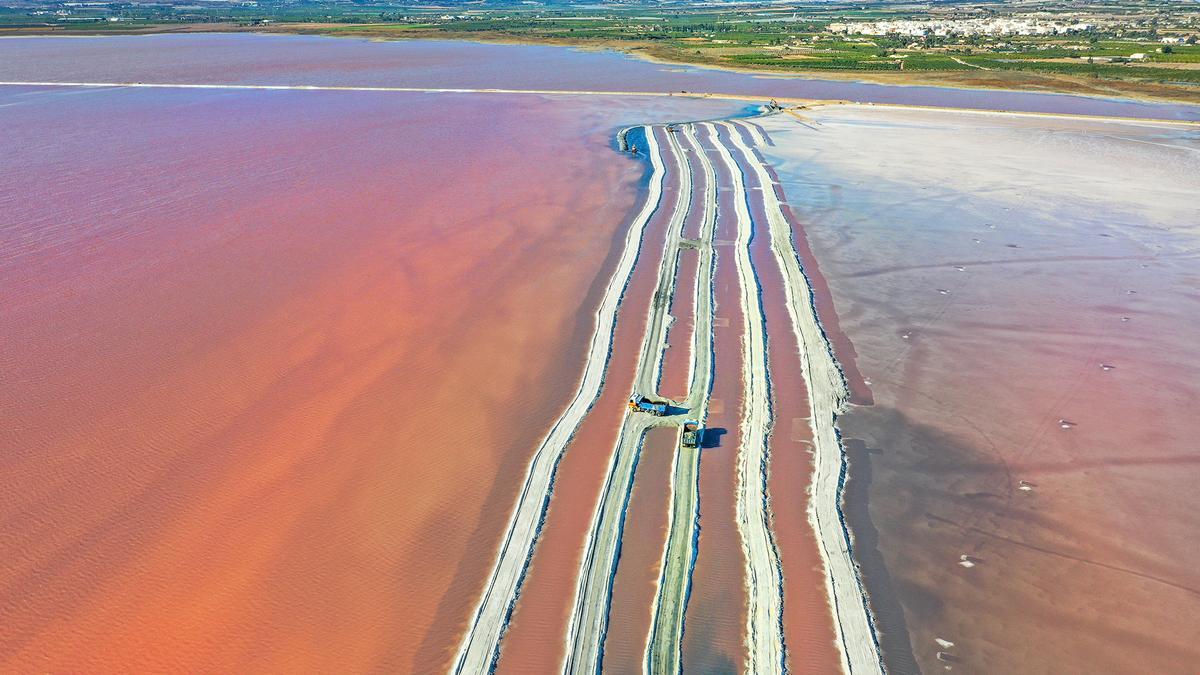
693 434
646 404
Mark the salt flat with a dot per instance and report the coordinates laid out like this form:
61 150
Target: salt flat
1019 296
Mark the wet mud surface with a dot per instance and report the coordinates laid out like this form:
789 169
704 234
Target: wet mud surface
1018 490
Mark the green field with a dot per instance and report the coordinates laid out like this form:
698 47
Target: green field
764 37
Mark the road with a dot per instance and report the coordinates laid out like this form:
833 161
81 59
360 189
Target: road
679 554
827 395
764 582
589 617
480 644
972 65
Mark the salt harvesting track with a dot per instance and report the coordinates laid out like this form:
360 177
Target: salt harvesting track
480 644
663 648
827 395
589 617
589 614
588 624
764 582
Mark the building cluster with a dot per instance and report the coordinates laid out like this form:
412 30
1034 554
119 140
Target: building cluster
946 27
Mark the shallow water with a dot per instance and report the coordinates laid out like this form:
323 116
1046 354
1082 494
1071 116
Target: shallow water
313 60
1021 295
274 362
257 413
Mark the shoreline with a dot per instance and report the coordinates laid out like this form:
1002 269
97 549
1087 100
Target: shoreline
795 102
880 78
653 53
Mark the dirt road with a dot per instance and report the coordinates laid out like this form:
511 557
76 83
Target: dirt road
764 583
666 632
481 641
589 617
827 395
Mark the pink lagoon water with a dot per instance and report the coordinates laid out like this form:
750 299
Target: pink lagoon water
311 60
257 414
274 362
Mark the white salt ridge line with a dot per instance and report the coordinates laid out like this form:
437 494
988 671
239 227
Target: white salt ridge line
703 286
764 582
479 649
664 641
827 395
649 664
655 339
744 132
758 139
659 583
589 617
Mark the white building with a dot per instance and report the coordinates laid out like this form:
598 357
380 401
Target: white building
947 27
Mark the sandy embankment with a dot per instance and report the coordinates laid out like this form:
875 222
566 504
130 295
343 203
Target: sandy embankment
764 584
639 569
809 634
827 394
480 643
714 620
663 650
589 617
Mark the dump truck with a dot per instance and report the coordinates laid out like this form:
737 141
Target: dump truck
646 404
693 434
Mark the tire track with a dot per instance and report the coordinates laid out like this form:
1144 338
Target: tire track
663 650
589 617
827 395
480 645
764 621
